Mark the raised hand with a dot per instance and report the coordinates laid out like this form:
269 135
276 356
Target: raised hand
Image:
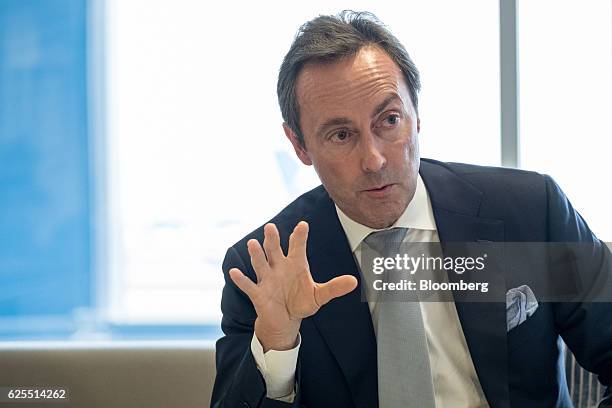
285 292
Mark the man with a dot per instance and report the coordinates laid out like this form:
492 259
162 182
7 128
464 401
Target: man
296 330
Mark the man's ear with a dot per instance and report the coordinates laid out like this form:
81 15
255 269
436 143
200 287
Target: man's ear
300 151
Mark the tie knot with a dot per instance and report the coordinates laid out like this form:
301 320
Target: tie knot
386 242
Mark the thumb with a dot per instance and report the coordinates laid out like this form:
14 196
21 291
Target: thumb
339 286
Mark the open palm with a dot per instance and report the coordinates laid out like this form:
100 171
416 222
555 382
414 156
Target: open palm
285 292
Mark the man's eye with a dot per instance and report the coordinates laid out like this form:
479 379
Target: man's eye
340 136
392 120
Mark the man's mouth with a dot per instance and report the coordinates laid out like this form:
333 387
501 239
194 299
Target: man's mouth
378 188
380 191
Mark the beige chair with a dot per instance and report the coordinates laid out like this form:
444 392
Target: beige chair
108 375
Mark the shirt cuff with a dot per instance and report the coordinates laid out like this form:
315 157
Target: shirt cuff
278 369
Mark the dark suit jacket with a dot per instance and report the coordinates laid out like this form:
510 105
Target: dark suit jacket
337 358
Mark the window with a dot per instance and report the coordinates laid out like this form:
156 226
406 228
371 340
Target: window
140 139
44 185
566 99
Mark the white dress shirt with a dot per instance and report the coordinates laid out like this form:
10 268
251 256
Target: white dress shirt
454 376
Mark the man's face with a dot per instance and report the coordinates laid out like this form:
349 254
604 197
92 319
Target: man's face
361 134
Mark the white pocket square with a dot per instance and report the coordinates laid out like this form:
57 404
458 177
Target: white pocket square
520 304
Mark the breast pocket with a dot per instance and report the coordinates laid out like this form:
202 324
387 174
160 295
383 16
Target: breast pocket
538 325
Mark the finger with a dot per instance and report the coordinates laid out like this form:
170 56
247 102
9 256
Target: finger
258 259
298 239
339 286
243 282
272 244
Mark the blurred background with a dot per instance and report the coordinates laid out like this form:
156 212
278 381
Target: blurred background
128 127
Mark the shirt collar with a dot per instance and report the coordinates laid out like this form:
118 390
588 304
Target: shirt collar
417 215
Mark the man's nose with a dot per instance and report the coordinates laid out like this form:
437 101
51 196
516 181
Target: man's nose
372 158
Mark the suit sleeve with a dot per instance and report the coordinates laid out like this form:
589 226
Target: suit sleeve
585 325
239 383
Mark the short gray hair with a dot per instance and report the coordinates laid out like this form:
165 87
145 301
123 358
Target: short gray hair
330 38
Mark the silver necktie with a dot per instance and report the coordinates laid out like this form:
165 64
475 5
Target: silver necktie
404 373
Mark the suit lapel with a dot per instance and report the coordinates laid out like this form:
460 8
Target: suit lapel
456 204
345 323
